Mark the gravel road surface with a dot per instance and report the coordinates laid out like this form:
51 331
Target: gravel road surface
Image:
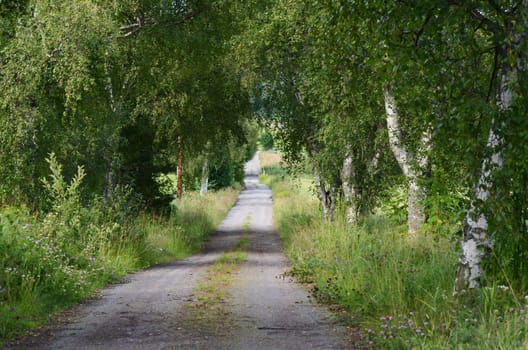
153 308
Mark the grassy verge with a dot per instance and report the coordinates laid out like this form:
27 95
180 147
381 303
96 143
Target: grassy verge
183 232
51 261
397 291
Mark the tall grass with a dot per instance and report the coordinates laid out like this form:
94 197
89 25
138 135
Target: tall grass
51 260
398 292
189 225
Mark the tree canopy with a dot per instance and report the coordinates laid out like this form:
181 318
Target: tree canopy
423 95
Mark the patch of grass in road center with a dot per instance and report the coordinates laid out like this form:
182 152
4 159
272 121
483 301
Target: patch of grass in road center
211 293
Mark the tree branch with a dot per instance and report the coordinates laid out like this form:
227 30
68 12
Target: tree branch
500 11
493 76
422 29
474 13
490 25
133 28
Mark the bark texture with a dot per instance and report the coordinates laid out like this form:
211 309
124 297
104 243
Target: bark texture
413 165
348 179
476 243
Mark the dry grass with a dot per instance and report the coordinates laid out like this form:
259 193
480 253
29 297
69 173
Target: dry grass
269 159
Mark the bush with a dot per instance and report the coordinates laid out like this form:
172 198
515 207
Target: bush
61 256
52 260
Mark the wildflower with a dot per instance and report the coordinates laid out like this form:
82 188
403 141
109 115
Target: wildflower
502 287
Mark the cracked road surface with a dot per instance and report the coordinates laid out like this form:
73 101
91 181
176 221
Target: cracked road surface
262 310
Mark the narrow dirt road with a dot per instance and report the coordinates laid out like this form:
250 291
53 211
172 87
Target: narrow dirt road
157 308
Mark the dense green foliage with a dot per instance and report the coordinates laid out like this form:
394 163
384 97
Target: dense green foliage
125 88
111 86
396 291
49 261
457 71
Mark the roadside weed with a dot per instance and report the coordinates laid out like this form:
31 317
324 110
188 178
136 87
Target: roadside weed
396 291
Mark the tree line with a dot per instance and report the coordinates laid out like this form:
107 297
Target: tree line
123 88
429 96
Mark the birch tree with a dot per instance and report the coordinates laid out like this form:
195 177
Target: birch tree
509 32
413 165
81 78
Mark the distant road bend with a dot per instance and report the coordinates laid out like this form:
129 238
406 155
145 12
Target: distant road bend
263 310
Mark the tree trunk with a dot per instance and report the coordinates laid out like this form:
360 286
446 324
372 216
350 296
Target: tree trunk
413 165
348 179
323 195
326 197
476 244
110 181
179 170
205 178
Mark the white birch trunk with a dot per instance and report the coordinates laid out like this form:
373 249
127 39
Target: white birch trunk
413 165
205 178
109 85
348 180
476 244
110 173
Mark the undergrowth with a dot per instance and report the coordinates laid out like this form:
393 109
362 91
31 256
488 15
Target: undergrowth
398 292
53 259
